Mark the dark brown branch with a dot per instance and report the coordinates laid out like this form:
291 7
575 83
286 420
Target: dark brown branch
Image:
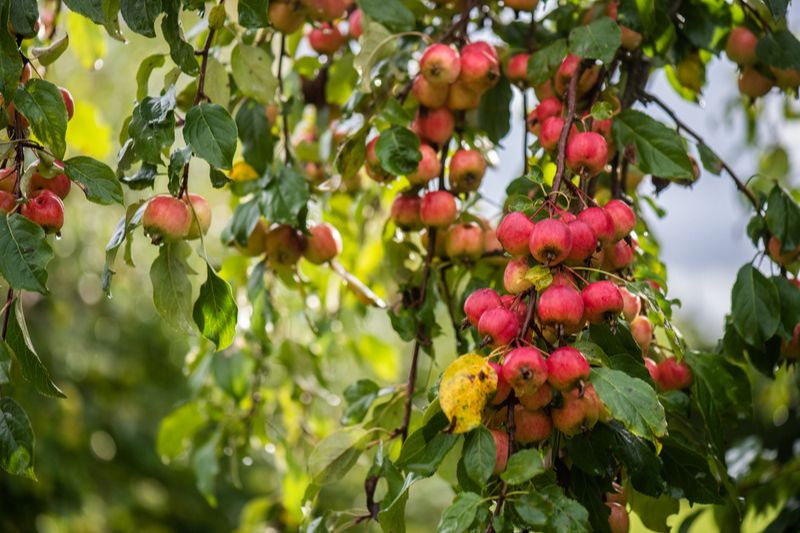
561 157
647 97
525 164
284 110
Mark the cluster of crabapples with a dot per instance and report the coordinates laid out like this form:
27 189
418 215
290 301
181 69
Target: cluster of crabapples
42 201
755 79
552 390
325 37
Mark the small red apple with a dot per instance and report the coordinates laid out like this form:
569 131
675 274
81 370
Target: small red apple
58 184
503 388
501 450
514 233
499 325
525 370
560 305
531 426
601 301
584 242
322 244
622 216
464 241
587 150
480 68
440 64
566 366
550 241
600 222
479 302
753 83
354 24
69 102
517 69
514 280
539 399
428 94
166 218
285 17
7 202
467 168
642 332
284 245
428 167
199 214
438 209
741 46
435 125
405 212
326 39
461 97
673 375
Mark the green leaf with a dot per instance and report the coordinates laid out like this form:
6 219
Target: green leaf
783 218
256 135
6 357
215 311
391 13
32 368
253 13
375 44
181 52
479 454
777 8
141 15
359 397
211 132
252 70
589 491
392 514
206 467
543 63
602 111
10 65
111 19
122 232
91 9
24 253
16 440
659 150
654 512
522 466
755 306
710 161
550 511
790 304
148 65
686 467
779 49
177 430
152 126
398 150
178 160
426 448
42 104
218 85
460 515
631 401
335 455
48 54
598 40
286 197
342 79
494 111
96 179
350 156
22 16
172 290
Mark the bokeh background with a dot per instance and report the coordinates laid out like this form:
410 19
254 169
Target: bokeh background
123 369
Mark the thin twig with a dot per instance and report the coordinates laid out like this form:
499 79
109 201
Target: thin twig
284 110
647 97
561 158
525 130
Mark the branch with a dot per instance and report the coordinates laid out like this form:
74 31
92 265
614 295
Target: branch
525 130
284 111
561 158
647 97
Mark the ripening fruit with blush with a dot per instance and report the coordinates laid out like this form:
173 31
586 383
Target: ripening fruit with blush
673 375
786 78
45 209
550 242
467 168
500 449
587 150
499 325
59 184
200 215
514 233
601 301
440 64
7 202
584 242
753 83
514 280
631 304
570 417
741 46
549 107
256 241
539 399
525 370
531 426
601 223
550 132
354 24
428 94
516 305
480 68
427 168
560 305
438 209
503 388
405 212
521 5
776 253
373 165
285 17
566 366
327 9
629 39
326 38
284 245
69 102
622 216
464 241
595 408
479 302
642 332
461 97
323 243
617 256
435 125
8 179
166 218
652 369
567 70
618 519
517 69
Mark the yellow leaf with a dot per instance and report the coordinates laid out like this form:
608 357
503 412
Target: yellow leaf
540 276
466 386
88 133
241 171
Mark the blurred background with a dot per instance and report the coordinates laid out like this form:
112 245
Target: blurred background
123 369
